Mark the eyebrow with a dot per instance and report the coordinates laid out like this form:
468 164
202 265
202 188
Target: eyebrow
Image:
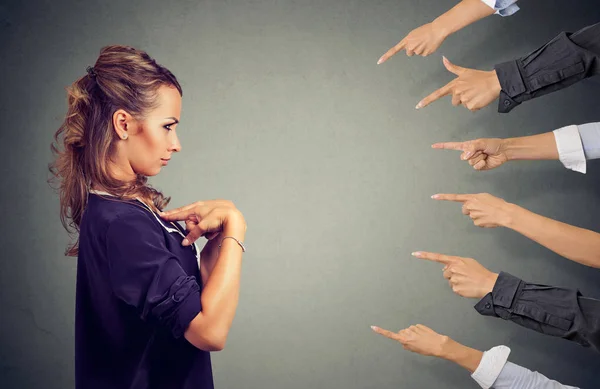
173 118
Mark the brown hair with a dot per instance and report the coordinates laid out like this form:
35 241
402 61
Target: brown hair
122 78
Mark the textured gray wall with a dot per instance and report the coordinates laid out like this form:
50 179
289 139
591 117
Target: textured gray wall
286 113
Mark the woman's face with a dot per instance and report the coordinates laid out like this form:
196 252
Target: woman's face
150 142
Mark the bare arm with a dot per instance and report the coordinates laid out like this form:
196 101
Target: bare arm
219 298
461 15
464 356
575 243
542 146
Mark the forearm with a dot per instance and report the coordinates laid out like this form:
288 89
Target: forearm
462 355
575 243
542 146
221 292
461 15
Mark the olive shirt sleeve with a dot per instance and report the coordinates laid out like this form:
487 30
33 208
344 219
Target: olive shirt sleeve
146 275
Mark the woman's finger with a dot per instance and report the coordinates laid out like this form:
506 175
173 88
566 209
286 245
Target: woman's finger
448 273
465 209
391 52
476 159
456 100
180 213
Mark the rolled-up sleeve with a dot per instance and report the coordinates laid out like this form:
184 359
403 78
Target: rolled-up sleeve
503 7
146 275
578 143
570 149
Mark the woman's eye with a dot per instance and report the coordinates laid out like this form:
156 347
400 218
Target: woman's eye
168 127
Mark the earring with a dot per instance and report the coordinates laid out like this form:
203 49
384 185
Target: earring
124 136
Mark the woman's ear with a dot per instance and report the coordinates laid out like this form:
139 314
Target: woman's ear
121 123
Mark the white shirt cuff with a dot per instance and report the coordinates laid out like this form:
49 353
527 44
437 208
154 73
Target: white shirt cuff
570 149
502 7
491 365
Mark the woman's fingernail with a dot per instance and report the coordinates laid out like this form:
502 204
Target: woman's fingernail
185 242
374 328
420 105
435 196
416 254
467 155
379 61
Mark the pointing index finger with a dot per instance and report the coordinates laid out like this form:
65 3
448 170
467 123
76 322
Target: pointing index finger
449 145
435 257
443 91
386 333
180 213
461 198
391 52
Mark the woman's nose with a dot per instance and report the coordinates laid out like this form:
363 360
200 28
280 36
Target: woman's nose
175 145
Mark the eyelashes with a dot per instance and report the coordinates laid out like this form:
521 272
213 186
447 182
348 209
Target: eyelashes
168 126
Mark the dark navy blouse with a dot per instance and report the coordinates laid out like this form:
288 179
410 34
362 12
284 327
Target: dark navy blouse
137 291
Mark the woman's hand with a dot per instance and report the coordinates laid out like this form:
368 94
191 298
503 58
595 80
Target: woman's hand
472 88
209 218
482 154
484 209
423 41
419 339
466 276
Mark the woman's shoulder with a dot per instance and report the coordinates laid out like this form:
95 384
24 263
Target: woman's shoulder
101 210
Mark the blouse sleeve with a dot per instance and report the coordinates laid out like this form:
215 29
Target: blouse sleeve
146 275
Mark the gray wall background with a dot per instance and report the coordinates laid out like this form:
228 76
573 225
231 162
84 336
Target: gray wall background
286 113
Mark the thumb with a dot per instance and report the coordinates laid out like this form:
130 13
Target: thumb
452 68
194 233
470 149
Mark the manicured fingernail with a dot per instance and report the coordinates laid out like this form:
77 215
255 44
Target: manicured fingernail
185 242
444 58
435 196
420 105
416 254
467 155
374 328
379 61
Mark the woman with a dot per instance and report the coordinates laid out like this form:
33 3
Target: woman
149 306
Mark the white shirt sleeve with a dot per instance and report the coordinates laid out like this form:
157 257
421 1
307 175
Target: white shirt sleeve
570 148
590 139
495 372
502 7
491 366
515 376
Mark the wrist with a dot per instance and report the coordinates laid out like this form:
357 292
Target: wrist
489 284
235 225
494 82
508 146
441 27
511 212
449 349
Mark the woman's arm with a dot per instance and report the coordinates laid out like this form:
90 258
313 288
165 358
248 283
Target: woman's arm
575 243
220 295
461 15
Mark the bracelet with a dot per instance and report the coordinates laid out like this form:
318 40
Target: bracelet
238 242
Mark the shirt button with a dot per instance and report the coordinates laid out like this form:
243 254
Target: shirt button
488 306
506 103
